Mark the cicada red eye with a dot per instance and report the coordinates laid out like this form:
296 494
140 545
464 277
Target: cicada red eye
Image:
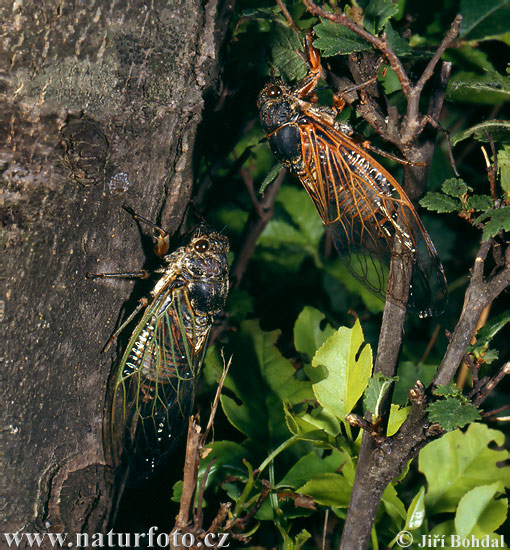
273 91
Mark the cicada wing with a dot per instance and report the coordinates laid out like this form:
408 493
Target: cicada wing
155 387
365 209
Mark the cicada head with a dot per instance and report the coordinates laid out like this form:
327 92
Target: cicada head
206 267
277 105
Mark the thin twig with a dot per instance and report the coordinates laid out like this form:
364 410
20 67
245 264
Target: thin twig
254 227
494 412
430 345
288 16
216 401
379 43
493 382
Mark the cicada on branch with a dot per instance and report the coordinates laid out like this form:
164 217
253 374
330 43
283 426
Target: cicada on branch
358 200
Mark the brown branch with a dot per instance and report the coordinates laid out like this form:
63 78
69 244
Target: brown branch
254 227
493 382
379 43
413 97
479 294
288 16
190 473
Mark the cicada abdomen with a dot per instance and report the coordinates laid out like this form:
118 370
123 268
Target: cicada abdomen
154 384
361 204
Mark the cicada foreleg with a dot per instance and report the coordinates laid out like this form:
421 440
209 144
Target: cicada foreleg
312 79
163 239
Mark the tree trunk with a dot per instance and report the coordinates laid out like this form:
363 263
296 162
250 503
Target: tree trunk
100 105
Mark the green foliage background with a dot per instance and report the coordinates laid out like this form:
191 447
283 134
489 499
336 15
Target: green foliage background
295 374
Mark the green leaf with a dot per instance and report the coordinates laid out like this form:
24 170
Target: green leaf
399 45
334 39
377 387
484 20
465 462
339 270
499 220
349 365
311 465
306 228
397 418
479 202
416 512
308 334
271 176
437 202
498 129
478 513
394 506
490 88
504 169
451 413
455 187
490 329
261 378
328 489
448 391
284 53
377 14
318 419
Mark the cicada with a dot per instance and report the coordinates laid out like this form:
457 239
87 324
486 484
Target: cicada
153 386
358 200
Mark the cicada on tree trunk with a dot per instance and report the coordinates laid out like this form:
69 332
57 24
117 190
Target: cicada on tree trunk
358 200
153 385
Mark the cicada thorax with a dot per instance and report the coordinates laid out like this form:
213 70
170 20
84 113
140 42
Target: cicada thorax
362 205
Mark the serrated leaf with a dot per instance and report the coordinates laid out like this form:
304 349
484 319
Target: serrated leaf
484 20
328 489
455 187
478 513
448 391
349 368
499 220
451 413
416 511
437 202
466 461
498 129
377 14
399 45
308 334
490 88
284 53
479 203
377 387
333 39
491 328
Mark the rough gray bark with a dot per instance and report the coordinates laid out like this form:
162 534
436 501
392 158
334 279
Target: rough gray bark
100 105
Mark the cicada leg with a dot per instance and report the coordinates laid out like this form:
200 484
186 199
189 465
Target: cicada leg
141 304
314 60
162 241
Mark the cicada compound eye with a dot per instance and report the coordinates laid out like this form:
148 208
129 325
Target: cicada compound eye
273 91
201 246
